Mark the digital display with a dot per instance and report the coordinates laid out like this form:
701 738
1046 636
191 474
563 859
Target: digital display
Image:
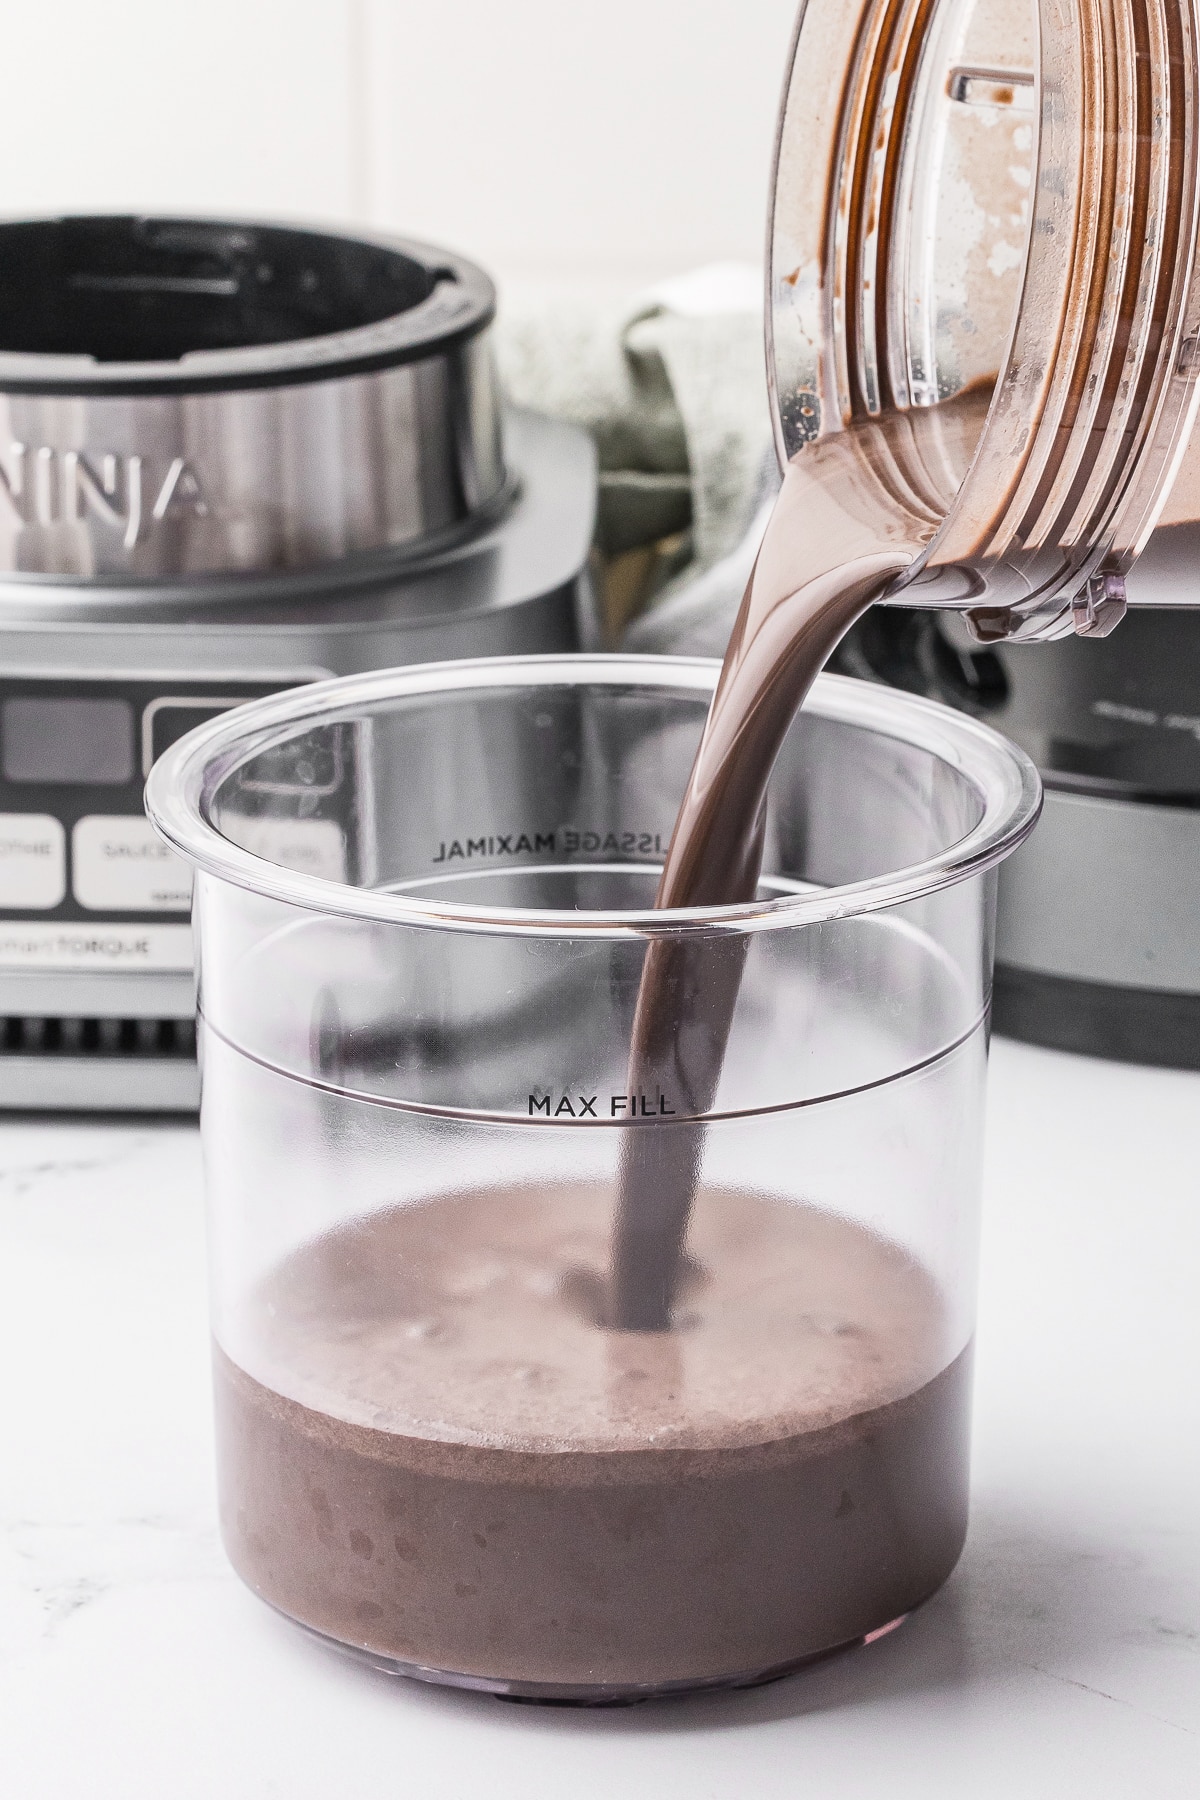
165 721
61 742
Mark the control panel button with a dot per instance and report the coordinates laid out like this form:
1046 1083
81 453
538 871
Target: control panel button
171 716
120 864
33 861
67 742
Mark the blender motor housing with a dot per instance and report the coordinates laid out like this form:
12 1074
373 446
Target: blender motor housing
233 457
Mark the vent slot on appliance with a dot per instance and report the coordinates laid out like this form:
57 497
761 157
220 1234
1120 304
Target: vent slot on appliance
99 1039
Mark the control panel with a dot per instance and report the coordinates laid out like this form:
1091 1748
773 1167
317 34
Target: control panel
85 882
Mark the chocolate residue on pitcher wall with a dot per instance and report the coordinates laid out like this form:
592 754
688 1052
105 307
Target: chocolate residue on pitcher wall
856 508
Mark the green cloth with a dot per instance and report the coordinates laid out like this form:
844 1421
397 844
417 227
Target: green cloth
672 386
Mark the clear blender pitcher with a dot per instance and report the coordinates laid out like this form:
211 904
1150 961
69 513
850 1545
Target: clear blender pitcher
998 195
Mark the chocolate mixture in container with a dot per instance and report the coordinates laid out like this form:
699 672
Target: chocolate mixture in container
442 1457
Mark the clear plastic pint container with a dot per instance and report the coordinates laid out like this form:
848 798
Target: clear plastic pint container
423 908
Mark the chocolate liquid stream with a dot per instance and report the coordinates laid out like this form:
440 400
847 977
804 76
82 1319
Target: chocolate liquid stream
855 509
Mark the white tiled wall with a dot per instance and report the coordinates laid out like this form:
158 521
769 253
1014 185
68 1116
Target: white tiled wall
550 138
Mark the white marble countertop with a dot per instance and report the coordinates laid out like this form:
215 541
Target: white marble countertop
1062 1659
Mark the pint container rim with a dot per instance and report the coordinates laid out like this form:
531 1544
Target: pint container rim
184 781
